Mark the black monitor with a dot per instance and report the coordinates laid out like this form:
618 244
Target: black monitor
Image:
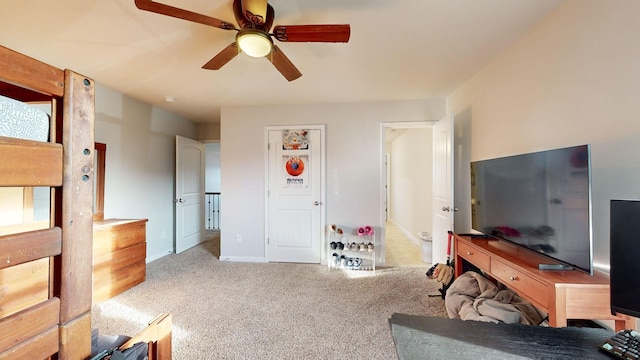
625 257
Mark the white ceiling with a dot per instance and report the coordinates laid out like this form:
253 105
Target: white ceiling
399 49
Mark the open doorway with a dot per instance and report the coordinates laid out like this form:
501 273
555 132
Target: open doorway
213 197
407 186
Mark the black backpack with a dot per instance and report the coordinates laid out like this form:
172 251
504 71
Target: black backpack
136 352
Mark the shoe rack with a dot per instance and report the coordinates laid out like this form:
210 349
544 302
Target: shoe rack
351 248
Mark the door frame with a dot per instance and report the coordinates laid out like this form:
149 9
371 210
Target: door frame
323 156
384 174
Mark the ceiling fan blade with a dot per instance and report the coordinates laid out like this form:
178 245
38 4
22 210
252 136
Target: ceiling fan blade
152 6
223 57
255 11
312 33
283 64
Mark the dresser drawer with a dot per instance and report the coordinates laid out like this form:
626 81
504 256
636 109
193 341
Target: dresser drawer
522 284
107 239
474 256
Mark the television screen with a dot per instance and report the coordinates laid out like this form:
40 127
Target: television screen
540 201
624 255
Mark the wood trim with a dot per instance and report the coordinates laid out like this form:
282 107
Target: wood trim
100 167
30 163
158 335
24 247
41 346
76 198
28 323
16 68
75 338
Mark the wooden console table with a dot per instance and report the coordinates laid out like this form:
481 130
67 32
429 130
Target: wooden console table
563 294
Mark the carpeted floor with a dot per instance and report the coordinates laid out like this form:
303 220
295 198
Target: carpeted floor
231 310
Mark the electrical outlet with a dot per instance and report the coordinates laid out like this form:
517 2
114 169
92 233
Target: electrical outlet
238 238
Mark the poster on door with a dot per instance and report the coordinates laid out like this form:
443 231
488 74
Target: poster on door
295 140
295 171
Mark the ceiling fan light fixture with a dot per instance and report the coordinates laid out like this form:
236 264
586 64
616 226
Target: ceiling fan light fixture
253 42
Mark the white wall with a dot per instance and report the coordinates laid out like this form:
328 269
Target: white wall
212 167
140 162
574 79
412 181
353 160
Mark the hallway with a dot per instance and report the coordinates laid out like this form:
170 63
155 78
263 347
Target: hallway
401 251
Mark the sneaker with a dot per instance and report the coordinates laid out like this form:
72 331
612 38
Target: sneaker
356 263
370 247
343 261
350 263
333 245
354 247
340 245
335 259
362 247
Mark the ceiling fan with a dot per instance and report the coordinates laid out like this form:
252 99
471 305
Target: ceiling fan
255 20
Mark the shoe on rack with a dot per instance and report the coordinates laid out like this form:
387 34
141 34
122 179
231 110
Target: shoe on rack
350 263
370 247
356 263
340 245
369 230
343 261
333 245
335 259
362 246
354 247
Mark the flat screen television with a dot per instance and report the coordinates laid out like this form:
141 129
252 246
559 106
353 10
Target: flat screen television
624 254
540 201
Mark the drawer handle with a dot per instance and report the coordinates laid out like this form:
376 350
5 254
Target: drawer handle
513 278
469 253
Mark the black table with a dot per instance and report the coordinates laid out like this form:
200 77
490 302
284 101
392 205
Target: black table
422 337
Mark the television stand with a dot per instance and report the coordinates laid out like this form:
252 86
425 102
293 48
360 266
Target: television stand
566 294
554 267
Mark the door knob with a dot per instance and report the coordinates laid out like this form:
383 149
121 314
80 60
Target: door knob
447 209
181 200
317 203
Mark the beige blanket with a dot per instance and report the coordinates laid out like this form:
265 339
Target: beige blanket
473 297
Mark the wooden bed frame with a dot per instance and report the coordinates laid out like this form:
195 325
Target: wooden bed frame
46 273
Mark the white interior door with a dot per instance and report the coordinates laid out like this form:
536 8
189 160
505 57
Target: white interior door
295 195
189 191
442 187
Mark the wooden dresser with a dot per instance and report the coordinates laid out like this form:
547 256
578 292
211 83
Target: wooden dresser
119 256
563 294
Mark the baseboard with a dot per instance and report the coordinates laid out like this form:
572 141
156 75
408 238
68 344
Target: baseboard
159 256
409 236
243 259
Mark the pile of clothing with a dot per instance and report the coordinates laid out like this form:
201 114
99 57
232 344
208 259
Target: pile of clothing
473 297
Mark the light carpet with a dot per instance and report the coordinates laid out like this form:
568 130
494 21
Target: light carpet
232 310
